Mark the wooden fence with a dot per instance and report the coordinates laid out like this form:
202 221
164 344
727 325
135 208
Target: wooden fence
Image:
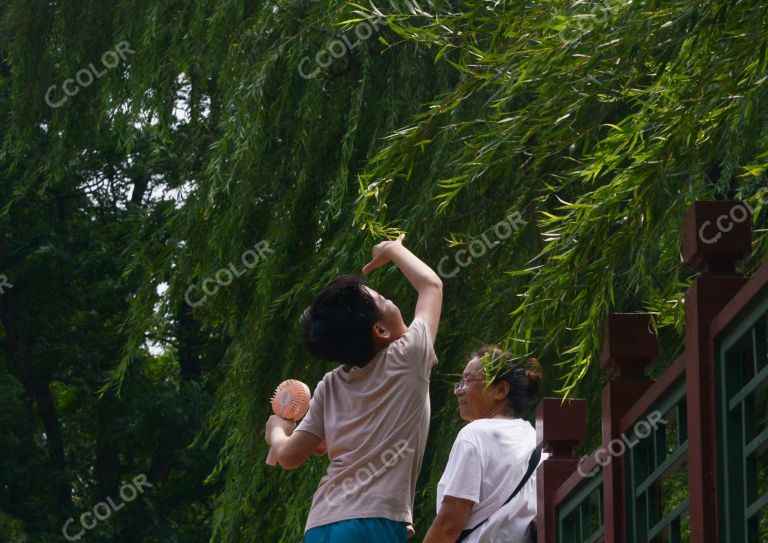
683 457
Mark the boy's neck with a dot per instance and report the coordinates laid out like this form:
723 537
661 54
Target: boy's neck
380 344
350 367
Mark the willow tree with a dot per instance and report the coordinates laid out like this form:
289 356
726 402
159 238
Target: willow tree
318 128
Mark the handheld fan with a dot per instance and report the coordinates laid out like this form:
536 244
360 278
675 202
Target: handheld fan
290 402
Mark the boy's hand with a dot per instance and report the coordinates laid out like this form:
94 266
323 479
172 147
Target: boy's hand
411 531
426 282
382 253
274 423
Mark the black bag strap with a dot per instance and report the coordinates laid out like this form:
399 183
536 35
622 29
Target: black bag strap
533 462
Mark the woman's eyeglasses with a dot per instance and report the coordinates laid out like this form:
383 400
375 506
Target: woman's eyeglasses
461 386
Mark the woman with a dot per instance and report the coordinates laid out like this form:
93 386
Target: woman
491 454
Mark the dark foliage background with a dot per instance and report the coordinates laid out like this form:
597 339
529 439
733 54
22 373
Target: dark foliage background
598 122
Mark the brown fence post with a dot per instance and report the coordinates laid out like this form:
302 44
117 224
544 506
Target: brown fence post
716 235
628 347
561 426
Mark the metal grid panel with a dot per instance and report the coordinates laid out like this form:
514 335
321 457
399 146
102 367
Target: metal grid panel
580 517
656 473
742 385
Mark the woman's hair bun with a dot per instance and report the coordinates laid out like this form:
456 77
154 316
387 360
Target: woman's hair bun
534 374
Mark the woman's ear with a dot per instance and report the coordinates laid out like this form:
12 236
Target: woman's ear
502 390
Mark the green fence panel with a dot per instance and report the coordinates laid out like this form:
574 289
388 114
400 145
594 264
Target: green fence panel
742 390
656 474
580 516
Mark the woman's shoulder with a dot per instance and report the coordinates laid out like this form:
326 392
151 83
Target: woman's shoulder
482 429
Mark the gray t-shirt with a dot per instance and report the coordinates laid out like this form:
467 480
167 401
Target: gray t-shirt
374 421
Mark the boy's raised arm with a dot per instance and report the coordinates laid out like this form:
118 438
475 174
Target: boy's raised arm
426 282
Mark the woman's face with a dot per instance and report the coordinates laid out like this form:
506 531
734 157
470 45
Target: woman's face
476 401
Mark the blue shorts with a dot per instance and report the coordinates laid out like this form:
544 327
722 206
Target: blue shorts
358 530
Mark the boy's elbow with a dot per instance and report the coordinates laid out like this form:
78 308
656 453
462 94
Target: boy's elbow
288 462
288 459
434 284
430 283
288 466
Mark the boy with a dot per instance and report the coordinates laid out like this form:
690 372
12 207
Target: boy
371 414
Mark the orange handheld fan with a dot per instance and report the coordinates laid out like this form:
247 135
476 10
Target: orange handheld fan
290 402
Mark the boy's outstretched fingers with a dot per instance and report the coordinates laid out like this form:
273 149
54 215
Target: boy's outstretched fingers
380 254
373 264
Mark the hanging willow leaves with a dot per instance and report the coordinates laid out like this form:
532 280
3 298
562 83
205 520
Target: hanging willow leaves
599 123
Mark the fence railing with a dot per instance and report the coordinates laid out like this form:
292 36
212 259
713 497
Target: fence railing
683 457
740 338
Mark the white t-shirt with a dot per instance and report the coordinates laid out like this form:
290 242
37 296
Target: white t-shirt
487 462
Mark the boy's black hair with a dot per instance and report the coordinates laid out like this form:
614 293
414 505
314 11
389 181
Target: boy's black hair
337 325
